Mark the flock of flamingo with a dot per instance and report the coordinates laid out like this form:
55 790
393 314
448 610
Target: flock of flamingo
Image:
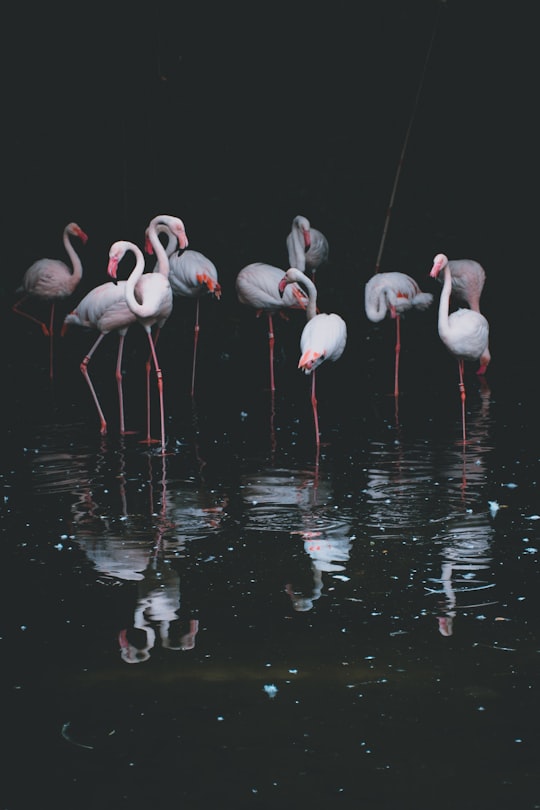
147 296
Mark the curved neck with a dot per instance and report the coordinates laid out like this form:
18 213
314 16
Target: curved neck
293 274
76 263
444 301
132 280
162 259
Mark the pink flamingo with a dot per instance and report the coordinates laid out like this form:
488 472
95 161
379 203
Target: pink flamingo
191 275
306 246
149 297
465 332
257 286
323 337
468 279
393 294
52 280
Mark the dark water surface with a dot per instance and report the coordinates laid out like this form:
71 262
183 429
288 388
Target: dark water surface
235 624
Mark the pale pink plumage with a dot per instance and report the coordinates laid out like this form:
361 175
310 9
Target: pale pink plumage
257 286
468 278
393 294
323 337
191 275
52 280
465 332
307 247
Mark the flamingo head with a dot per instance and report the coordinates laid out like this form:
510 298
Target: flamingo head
439 262
76 230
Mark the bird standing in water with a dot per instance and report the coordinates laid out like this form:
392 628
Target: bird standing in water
393 294
323 337
468 279
465 332
257 287
191 275
52 280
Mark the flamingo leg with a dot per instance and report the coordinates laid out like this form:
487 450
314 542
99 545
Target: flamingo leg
16 309
462 396
86 375
153 341
119 385
397 352
195 342
271 342
159 376
315 411
51 342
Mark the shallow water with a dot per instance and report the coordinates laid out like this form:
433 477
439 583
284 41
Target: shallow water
242 623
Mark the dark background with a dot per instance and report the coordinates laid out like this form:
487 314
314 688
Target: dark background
237 117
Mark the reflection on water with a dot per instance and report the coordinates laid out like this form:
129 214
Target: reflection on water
365 596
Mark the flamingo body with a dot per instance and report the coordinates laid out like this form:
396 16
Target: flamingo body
257 286
468 279
465 332
467 282
307 247
191 275
52 280
323 337
393 294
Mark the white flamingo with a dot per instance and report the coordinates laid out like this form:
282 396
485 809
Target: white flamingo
52 280
468 279
393 294
323 337
465 332
191 275
307 247
257 287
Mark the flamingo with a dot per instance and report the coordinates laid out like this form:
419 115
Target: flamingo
465 332
149 297
306 246
52 280
191 275
257 286
393 294
104 308
468 279
323 337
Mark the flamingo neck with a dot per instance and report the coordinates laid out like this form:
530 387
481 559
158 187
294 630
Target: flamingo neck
444 301
76 263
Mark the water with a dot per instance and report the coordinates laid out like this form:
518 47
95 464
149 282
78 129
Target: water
241 623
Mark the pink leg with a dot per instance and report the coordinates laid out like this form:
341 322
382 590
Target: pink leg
149 439
84 371
462 395
271 348
195 342
16 309
159 376
315 411
119 385
397 351
51 339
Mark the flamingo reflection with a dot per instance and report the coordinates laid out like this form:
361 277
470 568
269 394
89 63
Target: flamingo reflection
301 503
466 560
146 550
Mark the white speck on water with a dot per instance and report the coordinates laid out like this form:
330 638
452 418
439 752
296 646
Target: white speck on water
270 689
493 507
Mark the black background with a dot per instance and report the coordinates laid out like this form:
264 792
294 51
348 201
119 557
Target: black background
238 117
